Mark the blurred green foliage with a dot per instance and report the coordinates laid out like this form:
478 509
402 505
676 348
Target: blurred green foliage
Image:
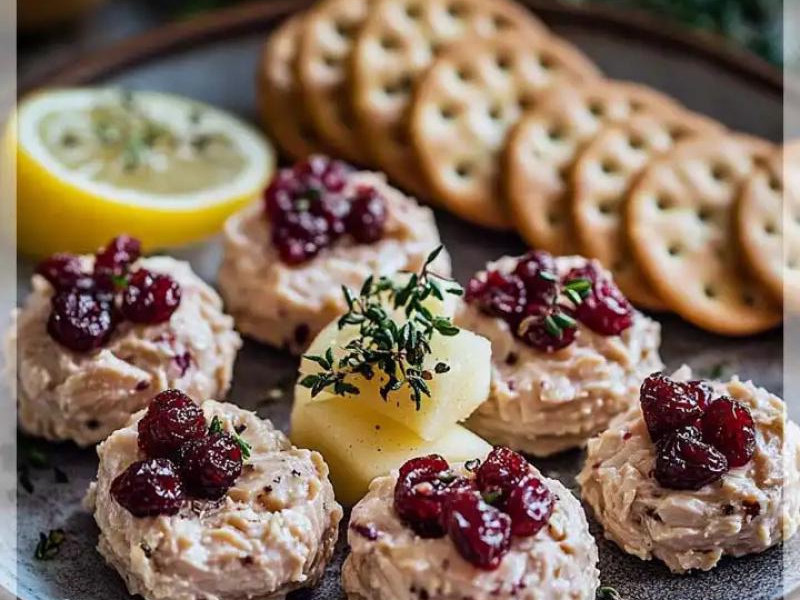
754 24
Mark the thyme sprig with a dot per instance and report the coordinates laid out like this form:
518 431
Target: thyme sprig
245 447
557 321
49 544
383 345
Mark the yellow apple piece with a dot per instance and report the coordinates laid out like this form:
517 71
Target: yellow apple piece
359 444
455 394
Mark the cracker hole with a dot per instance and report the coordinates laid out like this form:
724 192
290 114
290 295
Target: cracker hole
606 208
770 228
774 184
448 113
525 102
704 214
457 10
677 133
719 172
389 44
710 291
342 29
635 106
749 299
503 62
500 22
553 218
413 11
546 62
609 167
555 133
663 203
464 170
596 108
495 112
635 142
674 249
331 61
465 74
436 48
400 86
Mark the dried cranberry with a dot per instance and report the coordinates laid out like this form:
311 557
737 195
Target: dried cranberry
685 462
171 420
420 492
547 328
604 309
668 404
537 270
80 321
529 505
480 532
306 208
62 270
210 465
500 473
499 295
150 297
367 218
728 426
115 259
149 488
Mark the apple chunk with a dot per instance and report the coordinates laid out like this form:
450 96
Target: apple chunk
360 444
460 373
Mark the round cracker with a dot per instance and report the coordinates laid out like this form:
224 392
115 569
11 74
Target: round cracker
279 103
326 44
466 103
544 145
397 44
767 227
680 225
601 178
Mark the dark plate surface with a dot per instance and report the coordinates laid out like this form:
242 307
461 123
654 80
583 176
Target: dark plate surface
214 60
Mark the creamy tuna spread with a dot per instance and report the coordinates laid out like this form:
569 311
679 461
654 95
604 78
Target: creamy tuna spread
747 510
388 561
84 396
286 305
273 532
546 402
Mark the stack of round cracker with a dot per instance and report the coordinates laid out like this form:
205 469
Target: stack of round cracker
476 107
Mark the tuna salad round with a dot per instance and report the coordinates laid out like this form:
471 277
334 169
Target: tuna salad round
699 471
88 354
211 503
469 531
322 226
568 350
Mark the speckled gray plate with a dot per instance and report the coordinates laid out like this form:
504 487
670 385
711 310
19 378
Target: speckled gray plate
213 59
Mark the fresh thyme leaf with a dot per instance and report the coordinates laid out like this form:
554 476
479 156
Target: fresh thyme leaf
564 321
548 276
216 426
552 327
580 285
573 296
492 496
49 544
243 446
441 368
608 593
447 477
120 281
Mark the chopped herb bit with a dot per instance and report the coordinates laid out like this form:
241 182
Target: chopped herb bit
472 465
548 276
396 351
49 544
718 370
608 593
216 425
447 477
492 496
120 281
581 286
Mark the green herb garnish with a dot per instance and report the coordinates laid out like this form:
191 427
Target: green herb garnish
608 593
396 351
49 544
216 427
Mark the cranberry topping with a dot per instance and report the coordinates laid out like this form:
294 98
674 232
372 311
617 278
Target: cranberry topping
419 493
530 505
547 329
62 270
501 472
729 427
80 321
210 465
685 462
668 404
171 420
309 212
367 218
480 532
604 309
149 488
115 259
499 295
150 298
537 270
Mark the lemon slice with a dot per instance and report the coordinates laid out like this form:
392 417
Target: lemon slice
94 163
